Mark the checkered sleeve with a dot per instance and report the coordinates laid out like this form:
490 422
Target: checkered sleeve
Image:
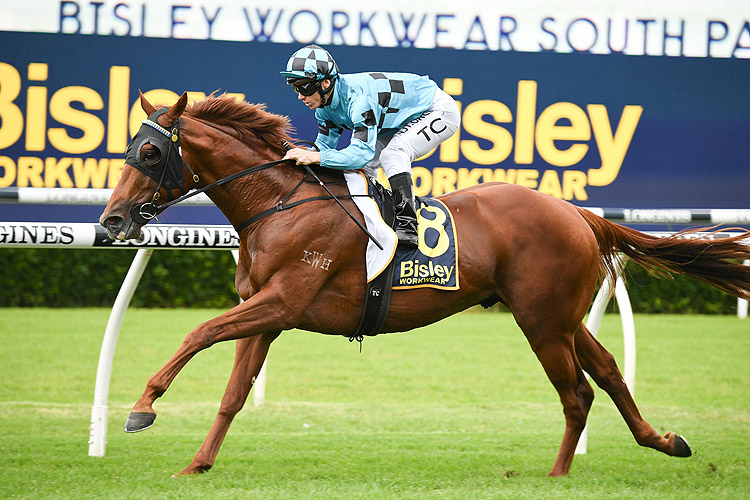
364 114
329 134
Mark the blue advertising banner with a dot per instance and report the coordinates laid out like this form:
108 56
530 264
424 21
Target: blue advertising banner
596 130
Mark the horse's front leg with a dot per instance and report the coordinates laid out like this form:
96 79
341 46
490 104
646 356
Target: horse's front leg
250 355
273 309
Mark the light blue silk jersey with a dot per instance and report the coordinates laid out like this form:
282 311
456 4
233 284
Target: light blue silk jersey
368 104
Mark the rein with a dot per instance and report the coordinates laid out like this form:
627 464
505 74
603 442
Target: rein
221 182
144 212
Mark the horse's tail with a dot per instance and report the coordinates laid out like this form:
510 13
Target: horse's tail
717 262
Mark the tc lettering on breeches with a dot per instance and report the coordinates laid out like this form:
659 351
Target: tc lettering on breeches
416 138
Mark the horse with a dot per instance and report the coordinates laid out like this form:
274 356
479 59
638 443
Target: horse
540 256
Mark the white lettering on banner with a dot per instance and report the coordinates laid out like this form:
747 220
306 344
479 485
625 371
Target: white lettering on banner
39 234
674 216
89 235
633 27
207 237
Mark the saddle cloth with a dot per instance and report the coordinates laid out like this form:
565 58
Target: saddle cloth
434 263
377 259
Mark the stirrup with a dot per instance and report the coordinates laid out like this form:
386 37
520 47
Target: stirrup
407 236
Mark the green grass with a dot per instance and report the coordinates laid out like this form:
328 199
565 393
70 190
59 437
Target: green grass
458 410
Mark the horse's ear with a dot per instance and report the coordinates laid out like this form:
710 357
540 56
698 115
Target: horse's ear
173 114
147 106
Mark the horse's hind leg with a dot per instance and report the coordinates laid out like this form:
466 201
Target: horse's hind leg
601 365
249 357
556 354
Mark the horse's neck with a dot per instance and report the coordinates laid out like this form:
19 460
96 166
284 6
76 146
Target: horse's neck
220 152
254 192
249 194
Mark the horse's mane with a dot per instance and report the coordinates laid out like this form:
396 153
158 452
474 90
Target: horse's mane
249 120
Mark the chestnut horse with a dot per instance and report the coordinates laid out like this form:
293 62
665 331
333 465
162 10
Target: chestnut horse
540 256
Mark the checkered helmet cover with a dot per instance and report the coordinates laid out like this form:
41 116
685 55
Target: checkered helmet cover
311 62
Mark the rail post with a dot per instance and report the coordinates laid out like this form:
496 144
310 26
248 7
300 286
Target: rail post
100 409
628 336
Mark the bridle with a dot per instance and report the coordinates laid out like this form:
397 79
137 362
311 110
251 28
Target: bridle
171 175
142 213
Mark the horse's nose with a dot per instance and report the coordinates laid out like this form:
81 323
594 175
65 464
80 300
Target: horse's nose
111 223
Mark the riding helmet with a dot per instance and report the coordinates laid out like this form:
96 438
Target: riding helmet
311 62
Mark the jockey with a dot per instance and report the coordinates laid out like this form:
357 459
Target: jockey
394 118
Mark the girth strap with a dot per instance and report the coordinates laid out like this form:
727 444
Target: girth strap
378 295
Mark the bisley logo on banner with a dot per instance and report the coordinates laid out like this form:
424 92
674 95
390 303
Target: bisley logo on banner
96 126
562 134
525 132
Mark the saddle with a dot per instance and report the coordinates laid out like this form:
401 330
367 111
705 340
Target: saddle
327 175
378 290
434 263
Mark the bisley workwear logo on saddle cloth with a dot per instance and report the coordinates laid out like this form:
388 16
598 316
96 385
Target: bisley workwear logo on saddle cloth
434 263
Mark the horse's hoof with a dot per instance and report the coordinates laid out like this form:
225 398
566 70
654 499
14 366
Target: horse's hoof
681 447
139 421
191 471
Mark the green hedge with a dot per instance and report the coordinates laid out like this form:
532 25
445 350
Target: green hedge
92 278
204 278
675 294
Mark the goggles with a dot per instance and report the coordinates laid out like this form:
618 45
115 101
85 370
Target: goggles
307 88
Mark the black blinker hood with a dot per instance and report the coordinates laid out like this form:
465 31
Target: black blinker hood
152 133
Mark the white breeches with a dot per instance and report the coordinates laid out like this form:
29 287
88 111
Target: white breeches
417 137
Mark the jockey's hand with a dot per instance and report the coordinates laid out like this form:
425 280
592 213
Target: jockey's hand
303 156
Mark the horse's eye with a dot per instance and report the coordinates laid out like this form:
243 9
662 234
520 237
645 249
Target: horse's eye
150 155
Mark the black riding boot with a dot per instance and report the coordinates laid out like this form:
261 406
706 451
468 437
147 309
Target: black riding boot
406 215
